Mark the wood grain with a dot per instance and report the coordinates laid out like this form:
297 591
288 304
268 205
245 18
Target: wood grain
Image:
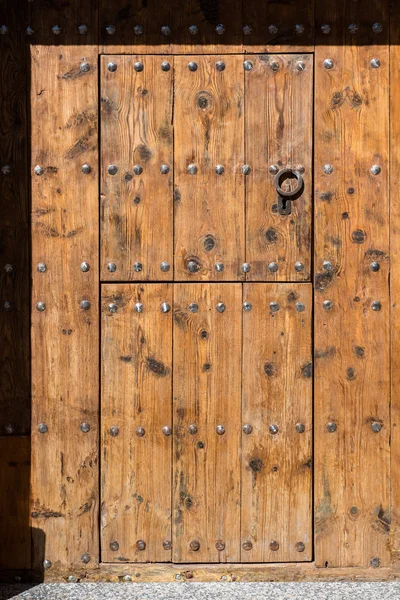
277 391
136 393
65 337
278 132
352 391
209 131
68 17
207 394
136 130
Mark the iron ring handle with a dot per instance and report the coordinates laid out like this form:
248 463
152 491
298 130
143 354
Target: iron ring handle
278 180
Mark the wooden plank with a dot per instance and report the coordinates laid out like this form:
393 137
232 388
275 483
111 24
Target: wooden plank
14 217
65 336
137 399
136 132
352 512
277 423
64 23
207 395
278 26
209 131
15 551
278 133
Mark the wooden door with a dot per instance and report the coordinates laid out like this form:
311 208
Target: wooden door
206 376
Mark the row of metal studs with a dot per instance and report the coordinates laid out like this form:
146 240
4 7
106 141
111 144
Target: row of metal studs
219 65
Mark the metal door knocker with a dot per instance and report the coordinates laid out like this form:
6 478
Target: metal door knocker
285 197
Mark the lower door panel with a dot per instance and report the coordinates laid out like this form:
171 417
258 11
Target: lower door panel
206 422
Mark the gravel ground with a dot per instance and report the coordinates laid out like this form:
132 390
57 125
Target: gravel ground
203 591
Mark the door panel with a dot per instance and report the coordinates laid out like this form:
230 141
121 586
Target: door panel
278 134
137 138
207 418
209 131
136 406
277 418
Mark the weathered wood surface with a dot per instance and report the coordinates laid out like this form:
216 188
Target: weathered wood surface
207 395
277 393
14 217
136 398
136 131
278 133
209 131
15 549
65 336
352 391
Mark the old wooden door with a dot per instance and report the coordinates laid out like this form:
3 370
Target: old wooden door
206 401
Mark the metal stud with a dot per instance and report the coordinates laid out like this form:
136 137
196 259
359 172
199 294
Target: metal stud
298 266
220 29
300 547
247 65
194 545
192 169
375 63
219 169
375 266
38 170
274 306
247 29
220 546
9 428
86 169
376 305
111 267
299 29
114 431
137 267
328 169
164 169
377 27
376 427
47 563
167 544
192 66
193 30
85 305
274 66
9 268
331 427
138 66
84 67
353 28
273 267
273 169
165 267
167 430
247 429
85 427
272 29
112 66
114 546
192 266
300 428
138 30
246 169
375 169
110 29
43 428
325 28
56 29
300 168
40 306
6 169
85 558
139 307
247 545
165 307
193 307
127 578
328 63
301 65
29 30
192 429
41 267
300 307
220 429
83 29
138 169
112 169
141 545
219 267
165 66
246 268
220 66
166 30
327 305
375 562
7 305
273 429
327 266
140 431
3 30
274 545
247 306
220 307
112 308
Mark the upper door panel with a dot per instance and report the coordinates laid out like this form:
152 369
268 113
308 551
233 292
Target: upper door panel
193 149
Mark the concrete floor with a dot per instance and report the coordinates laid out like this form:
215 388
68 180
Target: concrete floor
203 591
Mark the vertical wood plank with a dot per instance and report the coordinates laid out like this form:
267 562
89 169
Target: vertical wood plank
207 395
136 399
209 131
278 132
277 423
136 132
65 336
352 391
